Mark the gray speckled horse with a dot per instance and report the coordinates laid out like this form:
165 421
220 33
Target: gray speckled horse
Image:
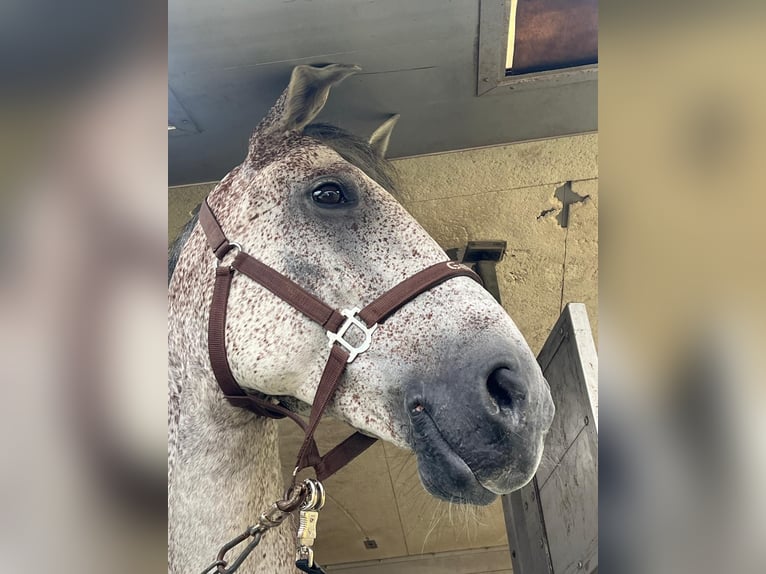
448 376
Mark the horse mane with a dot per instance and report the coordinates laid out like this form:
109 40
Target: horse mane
353 149
174 251
356 151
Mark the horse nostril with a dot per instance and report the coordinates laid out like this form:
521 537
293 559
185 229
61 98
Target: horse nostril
505 388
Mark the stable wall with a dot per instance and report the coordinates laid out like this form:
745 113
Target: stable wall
513 193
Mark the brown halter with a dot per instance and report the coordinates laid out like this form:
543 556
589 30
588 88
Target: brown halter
336 323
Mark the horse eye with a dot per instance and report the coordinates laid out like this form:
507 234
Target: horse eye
329 194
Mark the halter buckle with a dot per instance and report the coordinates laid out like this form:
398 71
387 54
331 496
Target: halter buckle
352 320
234 247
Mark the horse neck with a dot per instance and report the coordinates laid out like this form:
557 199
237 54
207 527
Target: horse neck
223 462
226 472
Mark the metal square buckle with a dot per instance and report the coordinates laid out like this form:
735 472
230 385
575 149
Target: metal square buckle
352 320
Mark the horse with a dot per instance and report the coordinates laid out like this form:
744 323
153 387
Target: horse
448 375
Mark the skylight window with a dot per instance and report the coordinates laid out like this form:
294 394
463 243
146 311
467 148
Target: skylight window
533 43
551 35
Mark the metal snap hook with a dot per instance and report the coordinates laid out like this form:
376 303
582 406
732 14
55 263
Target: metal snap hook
315 498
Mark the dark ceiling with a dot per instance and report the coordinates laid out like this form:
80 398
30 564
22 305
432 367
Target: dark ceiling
230 59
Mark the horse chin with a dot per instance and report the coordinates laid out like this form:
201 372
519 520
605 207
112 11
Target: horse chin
448 476
455 483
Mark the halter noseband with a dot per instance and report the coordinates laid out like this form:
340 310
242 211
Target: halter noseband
336 323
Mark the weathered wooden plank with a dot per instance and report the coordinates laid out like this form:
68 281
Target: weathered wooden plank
526 531
570 506
559 533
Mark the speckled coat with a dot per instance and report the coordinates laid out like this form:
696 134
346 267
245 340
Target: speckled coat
223 462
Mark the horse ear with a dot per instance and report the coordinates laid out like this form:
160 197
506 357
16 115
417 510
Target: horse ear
380 137
307 93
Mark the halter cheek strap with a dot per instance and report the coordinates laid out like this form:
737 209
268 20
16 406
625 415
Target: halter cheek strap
336 324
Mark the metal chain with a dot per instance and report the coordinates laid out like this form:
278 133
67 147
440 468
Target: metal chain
272 518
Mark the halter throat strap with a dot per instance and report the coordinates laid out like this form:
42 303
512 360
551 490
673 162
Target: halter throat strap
334 322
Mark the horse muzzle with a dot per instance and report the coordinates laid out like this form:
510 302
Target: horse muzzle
479 436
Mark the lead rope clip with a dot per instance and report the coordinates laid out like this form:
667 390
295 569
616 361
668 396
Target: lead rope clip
307 527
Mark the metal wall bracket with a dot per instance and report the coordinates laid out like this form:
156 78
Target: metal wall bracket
483 256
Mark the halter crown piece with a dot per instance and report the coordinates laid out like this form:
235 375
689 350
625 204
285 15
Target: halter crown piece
337 323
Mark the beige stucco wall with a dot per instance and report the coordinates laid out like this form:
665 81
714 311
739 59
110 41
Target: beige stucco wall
499 193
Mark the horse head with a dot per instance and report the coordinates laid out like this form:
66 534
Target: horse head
448 376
